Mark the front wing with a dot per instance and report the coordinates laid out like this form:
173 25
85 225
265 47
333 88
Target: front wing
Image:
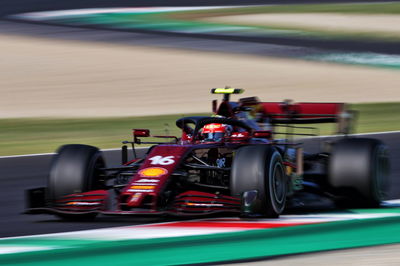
189 203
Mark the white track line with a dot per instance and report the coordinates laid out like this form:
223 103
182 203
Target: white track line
162 230
141 148
360 134
47 154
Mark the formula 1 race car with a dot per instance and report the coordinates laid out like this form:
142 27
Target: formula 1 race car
231 162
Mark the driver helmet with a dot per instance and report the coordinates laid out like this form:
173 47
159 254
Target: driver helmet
216 132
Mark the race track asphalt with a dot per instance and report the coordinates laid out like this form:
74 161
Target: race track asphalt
20 173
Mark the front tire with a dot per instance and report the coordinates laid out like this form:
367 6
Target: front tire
75 169
260 168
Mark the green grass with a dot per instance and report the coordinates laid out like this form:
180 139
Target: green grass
364 8
187 21
378 117
190 21
34 135
41 135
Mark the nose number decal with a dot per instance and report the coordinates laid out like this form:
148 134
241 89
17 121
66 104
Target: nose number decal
160 160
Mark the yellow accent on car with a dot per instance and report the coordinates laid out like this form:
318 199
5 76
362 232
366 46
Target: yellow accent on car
289 170
153 172
143 187
227 91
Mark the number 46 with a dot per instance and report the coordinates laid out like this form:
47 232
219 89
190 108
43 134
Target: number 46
162 160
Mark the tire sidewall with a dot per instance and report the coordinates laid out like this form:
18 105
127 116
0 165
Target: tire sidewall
379 180
274 167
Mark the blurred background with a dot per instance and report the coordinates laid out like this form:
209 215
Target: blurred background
89 71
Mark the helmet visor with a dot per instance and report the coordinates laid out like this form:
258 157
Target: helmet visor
216 136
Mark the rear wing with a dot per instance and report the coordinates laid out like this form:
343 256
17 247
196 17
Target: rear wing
302 113
308 113
285 112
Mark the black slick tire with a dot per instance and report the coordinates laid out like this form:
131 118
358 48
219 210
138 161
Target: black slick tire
358 170
75 169
260 168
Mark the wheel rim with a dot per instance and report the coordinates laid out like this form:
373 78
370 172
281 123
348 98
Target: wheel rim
95 181
381 173
278 185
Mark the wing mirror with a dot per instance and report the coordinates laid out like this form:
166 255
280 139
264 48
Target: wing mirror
141 132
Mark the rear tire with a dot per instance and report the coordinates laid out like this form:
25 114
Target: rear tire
260 168
359 172
75 169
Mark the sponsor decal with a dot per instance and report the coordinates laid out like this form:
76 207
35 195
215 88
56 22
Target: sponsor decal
214 128
167 160
141 188
143 184
238 135
153 172
135 197
145 180
221 162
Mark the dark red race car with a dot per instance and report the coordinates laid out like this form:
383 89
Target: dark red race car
230 162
